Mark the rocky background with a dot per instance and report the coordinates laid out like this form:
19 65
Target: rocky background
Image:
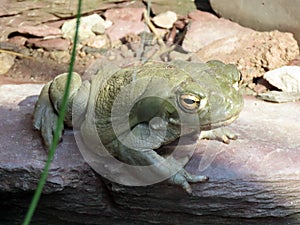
36 39
254 180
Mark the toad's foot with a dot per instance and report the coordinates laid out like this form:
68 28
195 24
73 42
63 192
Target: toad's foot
221 134
183 178
45 117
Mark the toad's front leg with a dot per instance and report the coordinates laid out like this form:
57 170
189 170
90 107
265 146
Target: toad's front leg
141 153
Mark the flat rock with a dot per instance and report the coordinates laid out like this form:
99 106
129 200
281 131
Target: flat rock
165 20
59 44
206 28
253 180
286 78
279 96
181 7
121 28
260 15
42 30
253 52
126 14
26 12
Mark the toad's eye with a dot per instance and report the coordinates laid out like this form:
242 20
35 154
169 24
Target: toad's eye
191 103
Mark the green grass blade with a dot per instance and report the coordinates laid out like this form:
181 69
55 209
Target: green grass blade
59 127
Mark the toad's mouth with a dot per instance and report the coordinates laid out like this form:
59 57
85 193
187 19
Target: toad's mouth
207 126
219 123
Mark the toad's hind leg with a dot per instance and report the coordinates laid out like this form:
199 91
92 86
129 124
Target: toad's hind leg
49 103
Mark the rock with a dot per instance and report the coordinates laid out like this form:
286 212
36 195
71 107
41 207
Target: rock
125 14
115 31
18 40
98 41
6 62
121 28
295 61
61 57
99 28
279 96
42 30
260 15
165 20
286 78
85 29
175 55
49 44
202 16
253 52
253 180
206 28
181 7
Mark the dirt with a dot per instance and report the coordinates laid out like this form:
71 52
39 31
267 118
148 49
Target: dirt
39 69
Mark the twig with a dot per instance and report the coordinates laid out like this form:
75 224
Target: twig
16 54
153 29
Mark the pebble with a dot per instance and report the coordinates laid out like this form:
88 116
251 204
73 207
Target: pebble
85 29
98 28
98 41
286 78
165 20
6 62
60 56
175 55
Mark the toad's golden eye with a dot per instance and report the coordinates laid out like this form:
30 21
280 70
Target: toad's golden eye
190 103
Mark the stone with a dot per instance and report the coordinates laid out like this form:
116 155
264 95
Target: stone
42 30
18 40
260 15
59 44
85 28
165 20
125 14
99 28
98 41
27 12
121 28
175 55
202 16
181 7
279 96
254 53
253 180
295 61
286 78
206 28
6 62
